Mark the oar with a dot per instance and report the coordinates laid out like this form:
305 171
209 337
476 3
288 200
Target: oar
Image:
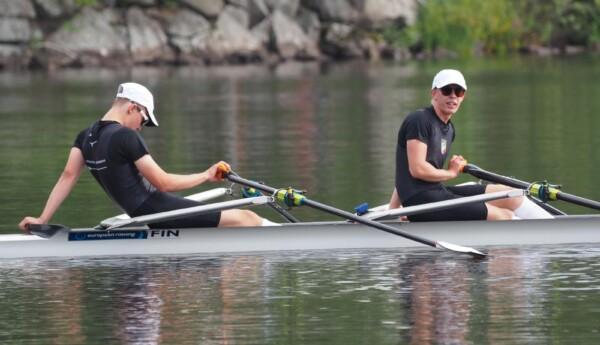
445 204
539 190
299 199
190 211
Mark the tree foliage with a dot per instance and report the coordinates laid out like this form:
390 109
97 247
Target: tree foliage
503 26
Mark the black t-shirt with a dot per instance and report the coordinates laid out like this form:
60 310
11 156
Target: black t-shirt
110 151
425 126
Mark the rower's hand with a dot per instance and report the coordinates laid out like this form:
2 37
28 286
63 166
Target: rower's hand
24 224
215 172
457 164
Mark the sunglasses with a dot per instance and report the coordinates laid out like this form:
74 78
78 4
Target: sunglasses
448 89
145 117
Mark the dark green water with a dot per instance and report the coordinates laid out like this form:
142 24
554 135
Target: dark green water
330 130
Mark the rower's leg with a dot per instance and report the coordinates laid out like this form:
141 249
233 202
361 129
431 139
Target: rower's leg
498 213
508 203
240 218
522 207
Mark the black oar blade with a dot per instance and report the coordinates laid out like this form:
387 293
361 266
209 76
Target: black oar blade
45 230
461 249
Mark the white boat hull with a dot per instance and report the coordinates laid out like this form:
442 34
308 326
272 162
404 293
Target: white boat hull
300 236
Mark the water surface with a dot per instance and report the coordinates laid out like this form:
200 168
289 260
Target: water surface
520 295
331 130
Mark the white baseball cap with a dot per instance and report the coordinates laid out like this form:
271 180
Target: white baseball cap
447 77
141 95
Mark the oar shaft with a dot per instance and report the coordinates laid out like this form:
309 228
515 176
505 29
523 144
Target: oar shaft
489 176
335 211
578 200
513 182
301 200
365 221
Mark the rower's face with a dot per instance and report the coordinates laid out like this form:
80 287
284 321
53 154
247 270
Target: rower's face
447 99
137 116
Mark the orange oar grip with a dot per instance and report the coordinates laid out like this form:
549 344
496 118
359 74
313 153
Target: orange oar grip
222 170
462 166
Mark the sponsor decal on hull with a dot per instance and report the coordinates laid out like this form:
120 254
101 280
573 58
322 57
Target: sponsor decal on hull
123 235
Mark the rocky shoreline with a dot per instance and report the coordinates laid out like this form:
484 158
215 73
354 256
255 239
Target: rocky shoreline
52 34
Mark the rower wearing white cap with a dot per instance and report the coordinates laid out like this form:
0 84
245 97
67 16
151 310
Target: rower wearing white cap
424 141
115 153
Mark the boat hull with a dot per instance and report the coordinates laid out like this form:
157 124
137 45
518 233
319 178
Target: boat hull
300 236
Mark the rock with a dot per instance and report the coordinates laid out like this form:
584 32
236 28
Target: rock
17 8
239 3
15 30
290 40
91 38
14 56
144 3
230 41
258 11
147 40
380 13
240 15
287 7
340 42
310 24
189 33
55 8
209 8
262 31
333 10
574 50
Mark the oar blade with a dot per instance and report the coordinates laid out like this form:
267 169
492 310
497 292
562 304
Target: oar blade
460 249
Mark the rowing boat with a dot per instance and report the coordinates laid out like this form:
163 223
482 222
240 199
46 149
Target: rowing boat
296 236
124 236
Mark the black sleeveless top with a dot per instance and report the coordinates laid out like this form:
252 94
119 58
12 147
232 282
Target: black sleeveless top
110 151
425 126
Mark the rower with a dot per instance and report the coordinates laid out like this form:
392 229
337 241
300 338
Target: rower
424 141
114 152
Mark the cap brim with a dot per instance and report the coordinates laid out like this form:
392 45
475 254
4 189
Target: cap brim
441 85
152 122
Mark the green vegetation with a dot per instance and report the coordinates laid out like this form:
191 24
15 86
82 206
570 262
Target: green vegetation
500 26
86 2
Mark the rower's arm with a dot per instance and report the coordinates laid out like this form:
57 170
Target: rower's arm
423 170
167 182
61 190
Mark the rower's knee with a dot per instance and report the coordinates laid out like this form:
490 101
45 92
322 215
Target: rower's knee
235 218
508 203
497 213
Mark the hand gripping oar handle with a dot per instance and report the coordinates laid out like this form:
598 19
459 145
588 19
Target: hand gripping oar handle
302 200
536 189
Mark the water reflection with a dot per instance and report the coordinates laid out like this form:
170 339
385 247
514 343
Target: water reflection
417 297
